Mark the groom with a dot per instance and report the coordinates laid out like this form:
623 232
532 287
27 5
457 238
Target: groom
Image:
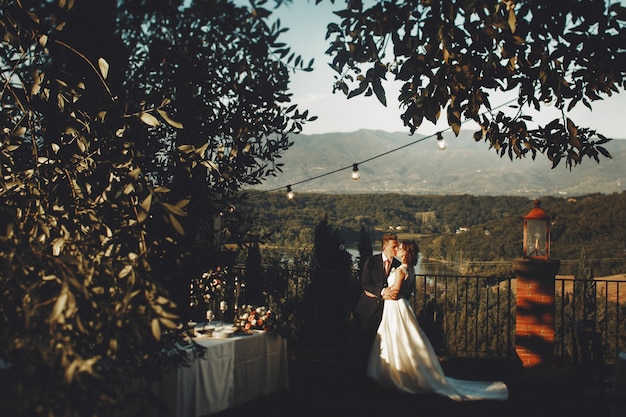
369 308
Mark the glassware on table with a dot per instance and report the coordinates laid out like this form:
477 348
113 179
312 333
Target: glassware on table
210 316
223 308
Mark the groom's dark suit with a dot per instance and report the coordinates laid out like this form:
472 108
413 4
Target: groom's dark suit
369 307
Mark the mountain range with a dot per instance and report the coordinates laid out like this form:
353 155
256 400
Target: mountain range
398 162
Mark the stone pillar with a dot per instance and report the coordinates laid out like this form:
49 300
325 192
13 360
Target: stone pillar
534 319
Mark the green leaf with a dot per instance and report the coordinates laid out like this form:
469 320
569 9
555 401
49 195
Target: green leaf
149 119
176 224
145 204
156 329
604 152
57 312
125 271
379 91
573 134
169 120
104 67
174 209
142 215
57 246
168 323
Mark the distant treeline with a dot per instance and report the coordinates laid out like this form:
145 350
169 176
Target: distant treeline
478 234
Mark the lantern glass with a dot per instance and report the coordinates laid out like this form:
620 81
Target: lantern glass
536 239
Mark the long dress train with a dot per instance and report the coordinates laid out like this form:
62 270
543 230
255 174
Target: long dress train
403 358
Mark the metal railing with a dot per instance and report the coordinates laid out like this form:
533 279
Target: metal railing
600 301
463 316
467 315
475 315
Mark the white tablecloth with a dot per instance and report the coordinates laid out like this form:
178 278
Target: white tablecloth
234 371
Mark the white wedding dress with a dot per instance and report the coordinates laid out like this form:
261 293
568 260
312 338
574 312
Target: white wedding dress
403 358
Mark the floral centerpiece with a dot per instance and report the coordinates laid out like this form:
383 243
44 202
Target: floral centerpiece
252 318
209 289
216 286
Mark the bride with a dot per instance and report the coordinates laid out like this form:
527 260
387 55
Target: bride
403 358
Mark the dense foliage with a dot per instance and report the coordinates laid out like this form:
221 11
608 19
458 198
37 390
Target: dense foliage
453 56
126 128
481 234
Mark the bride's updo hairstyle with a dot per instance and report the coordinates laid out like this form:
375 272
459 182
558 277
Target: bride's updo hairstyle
412 251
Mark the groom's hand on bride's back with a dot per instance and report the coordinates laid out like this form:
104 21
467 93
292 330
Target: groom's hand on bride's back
390 294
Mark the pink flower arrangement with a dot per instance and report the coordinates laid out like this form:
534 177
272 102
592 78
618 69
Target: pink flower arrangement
253 318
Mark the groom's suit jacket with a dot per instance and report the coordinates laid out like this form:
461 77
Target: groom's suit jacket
373 280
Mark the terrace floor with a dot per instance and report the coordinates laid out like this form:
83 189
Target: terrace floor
329 385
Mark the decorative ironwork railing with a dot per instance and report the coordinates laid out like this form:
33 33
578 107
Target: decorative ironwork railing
475 315
469 316
599 301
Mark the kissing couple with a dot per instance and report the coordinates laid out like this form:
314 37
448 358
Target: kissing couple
394 350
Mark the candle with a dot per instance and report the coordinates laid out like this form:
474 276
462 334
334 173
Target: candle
222 305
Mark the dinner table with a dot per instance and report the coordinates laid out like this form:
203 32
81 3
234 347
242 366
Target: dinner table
235 369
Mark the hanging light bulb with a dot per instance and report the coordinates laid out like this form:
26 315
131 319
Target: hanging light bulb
440 142
290 194
355 172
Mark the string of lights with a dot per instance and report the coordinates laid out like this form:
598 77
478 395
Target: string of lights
355 166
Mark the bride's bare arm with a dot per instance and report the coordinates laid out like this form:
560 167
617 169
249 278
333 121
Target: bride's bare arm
399 276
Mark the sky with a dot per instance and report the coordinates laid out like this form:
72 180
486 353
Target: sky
313 90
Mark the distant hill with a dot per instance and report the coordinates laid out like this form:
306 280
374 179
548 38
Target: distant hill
465 167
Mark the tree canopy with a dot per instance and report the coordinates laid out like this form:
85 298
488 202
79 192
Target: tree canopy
484 229
453 55
126 129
